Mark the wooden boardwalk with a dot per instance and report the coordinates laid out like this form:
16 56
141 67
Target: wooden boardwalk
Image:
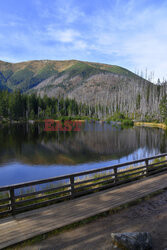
29 224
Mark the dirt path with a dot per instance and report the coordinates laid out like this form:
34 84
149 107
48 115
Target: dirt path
150 216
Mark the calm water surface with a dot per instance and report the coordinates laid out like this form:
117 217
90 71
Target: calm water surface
28 153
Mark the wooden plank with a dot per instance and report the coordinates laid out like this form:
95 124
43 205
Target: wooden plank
43 191
157 168
94 184
112 184
4 200
5 212
156 171
19 228
128 175
4 206
36 223
12 200
93 179
130 170
41 197
42 203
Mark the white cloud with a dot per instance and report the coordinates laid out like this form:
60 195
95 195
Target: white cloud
135 39
69 12
64 36
62 10
80 45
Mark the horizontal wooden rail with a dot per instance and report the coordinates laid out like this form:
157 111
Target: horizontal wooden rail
29 195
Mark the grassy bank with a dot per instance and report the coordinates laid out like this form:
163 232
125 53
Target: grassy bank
55 118
121 118
151 124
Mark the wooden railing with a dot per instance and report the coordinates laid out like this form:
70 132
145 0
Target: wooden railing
25 196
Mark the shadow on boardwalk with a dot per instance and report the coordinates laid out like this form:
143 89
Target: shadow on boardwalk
150 216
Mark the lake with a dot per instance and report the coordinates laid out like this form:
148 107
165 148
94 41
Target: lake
28 153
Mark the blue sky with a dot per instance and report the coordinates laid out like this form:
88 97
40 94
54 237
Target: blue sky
131 33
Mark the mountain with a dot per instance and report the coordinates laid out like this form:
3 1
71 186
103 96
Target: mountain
27 75
110 86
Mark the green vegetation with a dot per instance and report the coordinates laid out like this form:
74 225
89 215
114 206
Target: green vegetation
166 121
127 122
117 116
105 95
159 160
25 79
120 117
83 69
163 109
26 75
119 70
17 106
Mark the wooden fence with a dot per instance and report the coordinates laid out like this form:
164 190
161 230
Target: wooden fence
29 195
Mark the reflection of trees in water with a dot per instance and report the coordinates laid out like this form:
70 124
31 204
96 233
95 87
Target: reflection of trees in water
121 142
30 144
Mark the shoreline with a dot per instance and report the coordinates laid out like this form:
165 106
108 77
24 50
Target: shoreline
35 121
141 124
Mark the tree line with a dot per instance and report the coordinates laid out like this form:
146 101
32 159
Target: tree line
17 106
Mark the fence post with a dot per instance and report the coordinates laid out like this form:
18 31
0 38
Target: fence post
12 200
115 172
72 186
146 169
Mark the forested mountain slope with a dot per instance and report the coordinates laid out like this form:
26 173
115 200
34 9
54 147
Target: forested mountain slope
108 87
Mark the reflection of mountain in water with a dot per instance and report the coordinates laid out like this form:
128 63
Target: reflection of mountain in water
30 144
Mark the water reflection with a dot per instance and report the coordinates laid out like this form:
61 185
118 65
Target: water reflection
28 153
